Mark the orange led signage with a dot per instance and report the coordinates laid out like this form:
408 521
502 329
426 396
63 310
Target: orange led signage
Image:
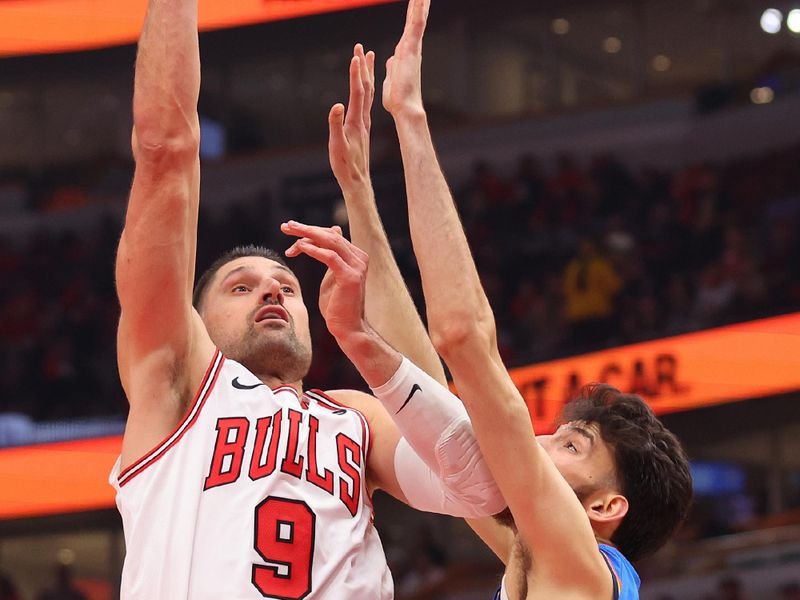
57 478
732 363
48 26
749 360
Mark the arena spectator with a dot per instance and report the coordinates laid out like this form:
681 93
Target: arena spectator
731 588
427 574
590 285
8 590
65 588
790 591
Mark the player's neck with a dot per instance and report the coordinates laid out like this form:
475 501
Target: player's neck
604 541
274 378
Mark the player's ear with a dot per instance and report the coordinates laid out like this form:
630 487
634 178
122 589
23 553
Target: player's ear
608 508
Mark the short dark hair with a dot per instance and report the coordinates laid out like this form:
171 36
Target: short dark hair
224 259
652 467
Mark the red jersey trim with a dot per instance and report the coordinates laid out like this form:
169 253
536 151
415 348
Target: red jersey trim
366 432
186 423
285 388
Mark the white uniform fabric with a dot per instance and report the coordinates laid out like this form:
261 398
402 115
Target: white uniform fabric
503 593
453 479
206 519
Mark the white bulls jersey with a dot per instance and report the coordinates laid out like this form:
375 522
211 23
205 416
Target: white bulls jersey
257 493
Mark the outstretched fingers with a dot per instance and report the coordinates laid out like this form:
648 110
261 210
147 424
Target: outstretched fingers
355 106
367 62
336 136
292 251
331 259
327 238
416 21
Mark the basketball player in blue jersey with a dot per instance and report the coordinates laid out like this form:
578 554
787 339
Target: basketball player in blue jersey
611 484
233 481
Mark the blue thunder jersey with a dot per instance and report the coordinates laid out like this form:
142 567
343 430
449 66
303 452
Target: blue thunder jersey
626 580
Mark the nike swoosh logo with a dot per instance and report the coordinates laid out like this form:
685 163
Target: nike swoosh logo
414 389
241 386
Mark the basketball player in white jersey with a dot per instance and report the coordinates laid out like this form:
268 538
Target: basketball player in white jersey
611 484
233 482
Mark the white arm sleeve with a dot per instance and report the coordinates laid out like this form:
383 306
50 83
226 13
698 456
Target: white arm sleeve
438 463
425 491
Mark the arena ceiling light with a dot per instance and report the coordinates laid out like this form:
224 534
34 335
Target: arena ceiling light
661 63
793 21
772 21
560 26
762 95
612 45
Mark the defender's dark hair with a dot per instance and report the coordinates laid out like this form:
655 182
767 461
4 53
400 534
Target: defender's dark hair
652 467
232 254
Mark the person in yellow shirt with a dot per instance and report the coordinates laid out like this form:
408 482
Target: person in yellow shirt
590 285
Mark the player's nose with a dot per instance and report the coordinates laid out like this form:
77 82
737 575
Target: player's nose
272 291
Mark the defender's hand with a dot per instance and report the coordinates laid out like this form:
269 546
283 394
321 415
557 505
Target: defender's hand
402 88
348 142
341 296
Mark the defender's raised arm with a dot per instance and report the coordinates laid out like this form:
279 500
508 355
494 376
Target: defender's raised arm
388 304
549 517
162 346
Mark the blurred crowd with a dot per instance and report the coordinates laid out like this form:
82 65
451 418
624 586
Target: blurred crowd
430 576
586 257
573 258
64 587
732 588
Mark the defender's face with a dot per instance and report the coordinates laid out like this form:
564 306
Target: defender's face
254 312
582 457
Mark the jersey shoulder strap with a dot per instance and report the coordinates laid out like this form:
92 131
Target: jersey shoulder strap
626 579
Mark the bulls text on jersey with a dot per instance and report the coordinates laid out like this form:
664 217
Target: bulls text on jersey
252 448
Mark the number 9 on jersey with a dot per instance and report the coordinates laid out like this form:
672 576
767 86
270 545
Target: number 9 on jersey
284 539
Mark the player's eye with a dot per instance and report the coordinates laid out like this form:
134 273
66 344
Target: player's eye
571 447
287 289
240 288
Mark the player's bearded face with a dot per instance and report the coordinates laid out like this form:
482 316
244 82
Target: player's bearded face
255 314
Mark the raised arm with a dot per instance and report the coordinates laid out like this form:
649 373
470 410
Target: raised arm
162 344
546 510
388 306
424 451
